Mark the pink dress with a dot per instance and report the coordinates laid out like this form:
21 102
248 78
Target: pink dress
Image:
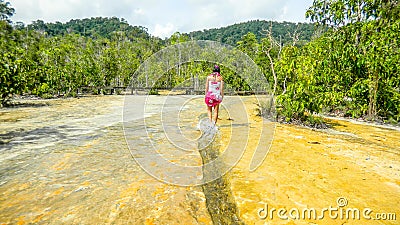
213 96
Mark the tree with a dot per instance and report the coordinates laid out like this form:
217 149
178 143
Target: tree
249 45
337 13
361 31
9 51
6 11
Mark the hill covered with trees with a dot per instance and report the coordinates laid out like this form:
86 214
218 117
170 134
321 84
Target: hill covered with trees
94 27
284 32
90 27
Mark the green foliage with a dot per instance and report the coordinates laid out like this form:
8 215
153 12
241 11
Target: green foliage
153 91
234 33
6 11
10 82
353 65
248 45
10 63
95 27
178 38
351 69
34 62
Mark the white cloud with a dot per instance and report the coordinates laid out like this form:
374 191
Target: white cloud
163 30
139 11
163 18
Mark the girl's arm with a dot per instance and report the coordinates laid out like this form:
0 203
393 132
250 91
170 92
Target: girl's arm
222 88
206 86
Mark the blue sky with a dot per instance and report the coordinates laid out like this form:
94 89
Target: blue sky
162 17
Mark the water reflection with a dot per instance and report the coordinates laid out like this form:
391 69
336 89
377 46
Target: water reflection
219 199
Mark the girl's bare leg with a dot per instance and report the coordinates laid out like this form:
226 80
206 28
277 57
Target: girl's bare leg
216 109
209 112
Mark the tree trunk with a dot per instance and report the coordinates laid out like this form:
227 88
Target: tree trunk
273 73
373 92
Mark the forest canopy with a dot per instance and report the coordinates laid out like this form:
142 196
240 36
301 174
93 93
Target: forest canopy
345 61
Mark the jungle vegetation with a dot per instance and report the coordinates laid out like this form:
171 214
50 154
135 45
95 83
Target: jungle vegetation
345 61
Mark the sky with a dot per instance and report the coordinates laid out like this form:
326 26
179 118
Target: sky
161 17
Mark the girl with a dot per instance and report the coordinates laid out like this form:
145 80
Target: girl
214 93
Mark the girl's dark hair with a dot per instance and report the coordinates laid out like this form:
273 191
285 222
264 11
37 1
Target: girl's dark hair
216 68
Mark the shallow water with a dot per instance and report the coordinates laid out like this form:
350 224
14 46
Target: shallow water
80 161
315 169
69 162
220 202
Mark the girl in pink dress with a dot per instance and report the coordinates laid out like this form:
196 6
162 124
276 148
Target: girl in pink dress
214 93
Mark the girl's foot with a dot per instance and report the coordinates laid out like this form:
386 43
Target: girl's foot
215 125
